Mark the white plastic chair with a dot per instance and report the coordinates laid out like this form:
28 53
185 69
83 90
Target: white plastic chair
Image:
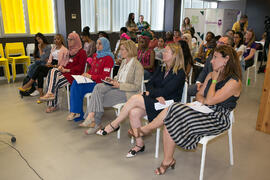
253 66
30 50
206 139
183 100
190 76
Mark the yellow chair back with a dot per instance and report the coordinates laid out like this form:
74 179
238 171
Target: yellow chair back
2 51
14 49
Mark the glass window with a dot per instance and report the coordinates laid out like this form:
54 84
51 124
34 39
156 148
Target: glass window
187 4
197 4
13 16
41 16
157 15
103 15
121 10
145 10
88 14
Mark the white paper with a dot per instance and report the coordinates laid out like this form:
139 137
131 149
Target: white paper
159 106
197 106
81 79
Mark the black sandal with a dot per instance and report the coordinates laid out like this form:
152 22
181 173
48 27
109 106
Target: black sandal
165 167
132 153
102 131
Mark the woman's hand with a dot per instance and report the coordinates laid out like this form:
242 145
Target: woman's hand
146 93
115 84
86 75
161 100
215 74
108 79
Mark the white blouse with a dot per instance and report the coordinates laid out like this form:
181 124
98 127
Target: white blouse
124 71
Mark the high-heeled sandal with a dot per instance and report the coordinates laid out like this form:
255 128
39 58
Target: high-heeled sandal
139 133
165 167
132 152
47 97
102 131
24 90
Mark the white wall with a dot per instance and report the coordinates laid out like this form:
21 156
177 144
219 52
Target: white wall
240 5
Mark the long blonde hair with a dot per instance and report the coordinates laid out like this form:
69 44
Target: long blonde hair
178 60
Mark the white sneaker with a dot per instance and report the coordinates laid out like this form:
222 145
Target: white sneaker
35 93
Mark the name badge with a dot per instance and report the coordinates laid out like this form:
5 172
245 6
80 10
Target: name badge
70 60
107 69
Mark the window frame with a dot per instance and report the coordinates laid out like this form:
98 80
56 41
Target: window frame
111 18
27 25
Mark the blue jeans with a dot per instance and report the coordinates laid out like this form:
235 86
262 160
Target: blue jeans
33 67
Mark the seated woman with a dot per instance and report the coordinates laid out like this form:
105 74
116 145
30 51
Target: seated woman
41 53
61 76
89 45
146 56
118 90
250 48
59 57
160 49
166 84
100 68
206 48
240 48
184 126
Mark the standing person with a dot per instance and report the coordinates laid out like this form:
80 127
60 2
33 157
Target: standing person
88 44
166 84
186 25
62 76
127 83
132 27
184 126
59 57
250 48
146 56
100 69
41 53
142 25
241 25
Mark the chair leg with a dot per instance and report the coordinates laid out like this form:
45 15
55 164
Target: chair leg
255 73
68 97
7 73
203 161
13 71
157 142
230 146
247 77
119 130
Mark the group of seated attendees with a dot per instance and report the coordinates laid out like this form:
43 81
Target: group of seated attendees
166 63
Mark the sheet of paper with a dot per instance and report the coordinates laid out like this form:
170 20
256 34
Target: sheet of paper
159 106
197 106
81 79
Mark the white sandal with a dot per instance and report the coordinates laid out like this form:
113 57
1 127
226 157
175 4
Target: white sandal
89 123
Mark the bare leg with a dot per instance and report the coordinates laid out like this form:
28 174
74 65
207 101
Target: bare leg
168 148
135 116
134 102
28 84
40 90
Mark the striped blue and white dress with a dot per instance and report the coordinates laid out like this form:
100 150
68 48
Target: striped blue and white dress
187 126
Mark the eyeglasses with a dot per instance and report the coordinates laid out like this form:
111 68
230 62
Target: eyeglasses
69 39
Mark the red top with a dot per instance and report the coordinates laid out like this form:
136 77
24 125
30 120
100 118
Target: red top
76 65
100 68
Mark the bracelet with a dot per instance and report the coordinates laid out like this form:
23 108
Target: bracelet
214 81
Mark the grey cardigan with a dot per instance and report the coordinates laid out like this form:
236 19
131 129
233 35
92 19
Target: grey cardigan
134 78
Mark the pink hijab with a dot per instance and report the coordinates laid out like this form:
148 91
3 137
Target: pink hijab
73 50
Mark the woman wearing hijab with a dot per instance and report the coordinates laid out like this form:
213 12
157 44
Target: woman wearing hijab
126 83
61 76
146 56
100 68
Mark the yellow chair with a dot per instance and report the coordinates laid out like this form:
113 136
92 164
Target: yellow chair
4 63
15 54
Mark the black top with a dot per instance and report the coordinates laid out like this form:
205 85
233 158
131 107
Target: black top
229 103
170 87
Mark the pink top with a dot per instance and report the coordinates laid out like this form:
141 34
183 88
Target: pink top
63 56
144 58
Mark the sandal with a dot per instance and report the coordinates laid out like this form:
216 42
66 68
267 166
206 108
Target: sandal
24 90
73 116
136 133
165 167
102 131
51 109
39 101
47 97
88 123
132 152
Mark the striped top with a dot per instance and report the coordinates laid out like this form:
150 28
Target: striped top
144 58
